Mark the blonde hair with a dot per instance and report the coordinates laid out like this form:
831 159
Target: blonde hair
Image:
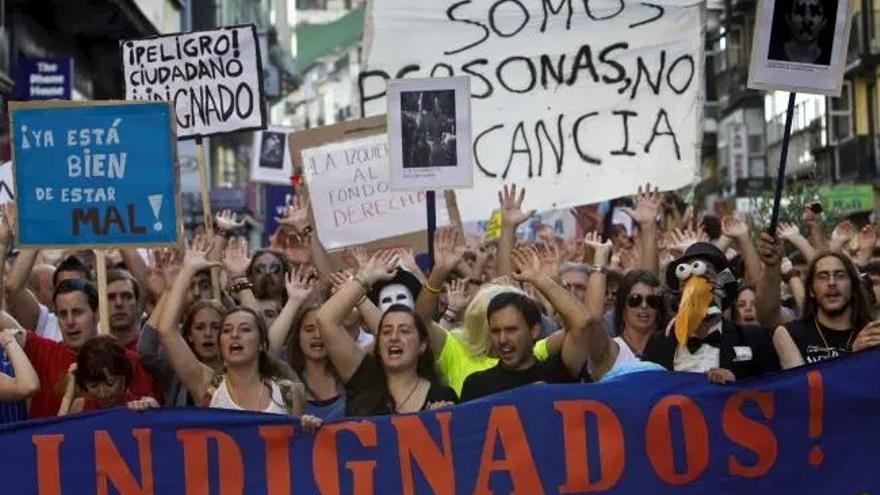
475 332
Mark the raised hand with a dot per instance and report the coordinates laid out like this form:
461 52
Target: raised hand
842 234
769 250
788 231
196 257
456 295
9 335
734 228
338 279
809 216
512 214
300 283
680 240
550 259
648 205
7 223
381 266
448 248
601 250
408 260
228 221
142 404
235 259
296 215
526 263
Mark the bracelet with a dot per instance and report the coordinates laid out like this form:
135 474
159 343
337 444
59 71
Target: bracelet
430 288
307 230
234 287
599 269
450 312
364 285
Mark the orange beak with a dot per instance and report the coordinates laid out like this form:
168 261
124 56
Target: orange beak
695 300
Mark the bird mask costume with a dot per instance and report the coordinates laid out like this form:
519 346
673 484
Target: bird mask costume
706 287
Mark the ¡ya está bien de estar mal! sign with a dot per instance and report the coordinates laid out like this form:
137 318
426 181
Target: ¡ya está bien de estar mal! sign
579 101
94 174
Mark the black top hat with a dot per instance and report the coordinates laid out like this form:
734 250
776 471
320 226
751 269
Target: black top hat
697 251
403 277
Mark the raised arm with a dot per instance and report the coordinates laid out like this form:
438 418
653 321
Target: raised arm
867 243
235 263
790 233
647 210
737 230
840 236
795 284
768 296
297 216
25 383
447 255
817 238
343 351
20 301
512 216
528 269
300 286
596 285
195 375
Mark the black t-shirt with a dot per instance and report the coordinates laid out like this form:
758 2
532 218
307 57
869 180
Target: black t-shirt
498 379
818 342
367 395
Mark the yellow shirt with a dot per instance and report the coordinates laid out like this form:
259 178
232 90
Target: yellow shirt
456 363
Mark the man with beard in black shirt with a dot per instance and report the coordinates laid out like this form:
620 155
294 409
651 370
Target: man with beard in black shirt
837 315
266 272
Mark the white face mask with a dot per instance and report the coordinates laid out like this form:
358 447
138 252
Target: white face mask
395 294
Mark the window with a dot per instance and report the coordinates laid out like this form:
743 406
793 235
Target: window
840 114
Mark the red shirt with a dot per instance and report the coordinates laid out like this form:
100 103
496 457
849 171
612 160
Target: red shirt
52 359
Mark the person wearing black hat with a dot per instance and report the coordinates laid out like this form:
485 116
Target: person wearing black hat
699 339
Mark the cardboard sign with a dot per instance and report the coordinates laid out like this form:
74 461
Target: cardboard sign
270 162
213 79
800 46
95 174
346 169
429 132
577 101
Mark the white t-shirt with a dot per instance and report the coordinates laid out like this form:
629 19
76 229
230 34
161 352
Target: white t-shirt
47 325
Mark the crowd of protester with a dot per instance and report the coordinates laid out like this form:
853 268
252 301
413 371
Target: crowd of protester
289 330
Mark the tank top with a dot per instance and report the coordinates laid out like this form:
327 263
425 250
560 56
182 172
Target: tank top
222 400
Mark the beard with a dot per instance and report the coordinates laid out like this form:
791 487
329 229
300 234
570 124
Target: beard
836 312
266 287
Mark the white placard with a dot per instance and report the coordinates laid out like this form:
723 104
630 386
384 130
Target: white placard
429 132
351 198
7 186
800 46
270 162
578 101
213 79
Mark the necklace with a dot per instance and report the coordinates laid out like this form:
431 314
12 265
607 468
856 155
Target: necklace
409 395
824 341
232 396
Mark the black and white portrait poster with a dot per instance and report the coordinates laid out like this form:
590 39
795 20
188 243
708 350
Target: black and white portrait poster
429 132
800 45
271 159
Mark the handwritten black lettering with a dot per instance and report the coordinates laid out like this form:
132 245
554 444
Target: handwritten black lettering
546 5
494 24
661 114
531 77
624 150
450 15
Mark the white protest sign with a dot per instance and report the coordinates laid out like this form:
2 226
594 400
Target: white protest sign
800 46
211 78
7 186
270 162
577 101
351 199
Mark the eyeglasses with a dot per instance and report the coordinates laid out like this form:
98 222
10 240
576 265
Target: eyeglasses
828 276
267 267
635 300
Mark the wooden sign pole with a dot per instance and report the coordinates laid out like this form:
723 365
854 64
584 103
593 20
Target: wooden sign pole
103 308
206 210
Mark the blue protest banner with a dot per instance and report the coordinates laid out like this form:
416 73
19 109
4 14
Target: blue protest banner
44 78
806 431
95 174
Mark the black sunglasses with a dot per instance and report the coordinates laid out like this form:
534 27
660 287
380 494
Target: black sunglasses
635 300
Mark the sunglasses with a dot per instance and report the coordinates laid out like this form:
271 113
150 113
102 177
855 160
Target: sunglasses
635 300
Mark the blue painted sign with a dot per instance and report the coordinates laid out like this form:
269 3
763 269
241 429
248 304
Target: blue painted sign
806 431
94 174
44 78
